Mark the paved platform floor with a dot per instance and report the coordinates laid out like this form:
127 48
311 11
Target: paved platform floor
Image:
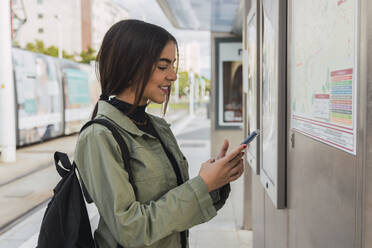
223 231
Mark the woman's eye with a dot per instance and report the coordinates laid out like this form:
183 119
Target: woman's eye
162 68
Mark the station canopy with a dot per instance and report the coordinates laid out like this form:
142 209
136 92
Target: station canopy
208 15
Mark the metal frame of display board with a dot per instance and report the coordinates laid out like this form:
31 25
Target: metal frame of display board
273 130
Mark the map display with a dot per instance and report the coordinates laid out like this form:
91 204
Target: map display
322 71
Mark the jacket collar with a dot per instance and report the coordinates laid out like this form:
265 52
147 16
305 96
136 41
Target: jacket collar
112 113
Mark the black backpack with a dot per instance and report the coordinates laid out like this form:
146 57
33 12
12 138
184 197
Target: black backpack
66 223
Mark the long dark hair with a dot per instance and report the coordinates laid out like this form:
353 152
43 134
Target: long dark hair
127 57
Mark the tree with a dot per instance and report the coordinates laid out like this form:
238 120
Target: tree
51 51
183 82
39 47
87 56
68 56
31 47
16 44
207 83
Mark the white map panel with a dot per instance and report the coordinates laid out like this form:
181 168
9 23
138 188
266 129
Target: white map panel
322 71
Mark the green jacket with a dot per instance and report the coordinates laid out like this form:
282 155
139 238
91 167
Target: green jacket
162 209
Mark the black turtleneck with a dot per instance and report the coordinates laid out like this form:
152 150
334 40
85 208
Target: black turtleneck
139 116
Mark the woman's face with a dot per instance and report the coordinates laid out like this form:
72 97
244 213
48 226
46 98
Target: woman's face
162 77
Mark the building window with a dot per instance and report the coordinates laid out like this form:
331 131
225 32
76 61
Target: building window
39 1
40 30
40 16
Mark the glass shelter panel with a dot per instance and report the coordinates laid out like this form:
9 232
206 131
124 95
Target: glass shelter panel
252 107
273 104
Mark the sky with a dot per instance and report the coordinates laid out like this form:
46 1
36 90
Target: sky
150 11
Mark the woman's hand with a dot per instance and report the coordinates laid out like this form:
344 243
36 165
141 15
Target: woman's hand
224 149
227 169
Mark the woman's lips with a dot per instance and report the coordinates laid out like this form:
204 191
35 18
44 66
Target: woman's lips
164 89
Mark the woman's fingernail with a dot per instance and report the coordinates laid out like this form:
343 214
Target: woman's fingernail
244 146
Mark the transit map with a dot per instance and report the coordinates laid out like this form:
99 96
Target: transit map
322 71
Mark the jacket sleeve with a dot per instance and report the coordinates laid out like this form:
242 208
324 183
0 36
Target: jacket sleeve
219 196
133 224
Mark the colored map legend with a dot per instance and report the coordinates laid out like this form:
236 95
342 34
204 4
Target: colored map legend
341 97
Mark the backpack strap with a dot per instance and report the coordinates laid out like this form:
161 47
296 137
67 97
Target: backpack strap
123 147
65 166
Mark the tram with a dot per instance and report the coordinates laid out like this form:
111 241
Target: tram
54 97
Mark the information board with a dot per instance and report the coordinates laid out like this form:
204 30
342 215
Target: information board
229 106
322 71
252 92
273 101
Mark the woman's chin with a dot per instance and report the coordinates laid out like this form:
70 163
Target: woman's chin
158 100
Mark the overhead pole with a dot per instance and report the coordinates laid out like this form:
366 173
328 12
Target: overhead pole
7 103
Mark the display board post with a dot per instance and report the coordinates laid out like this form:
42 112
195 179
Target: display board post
7 108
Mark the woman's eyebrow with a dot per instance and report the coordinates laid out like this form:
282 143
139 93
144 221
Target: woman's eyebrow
166 60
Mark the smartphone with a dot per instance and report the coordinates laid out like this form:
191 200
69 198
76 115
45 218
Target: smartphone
251 137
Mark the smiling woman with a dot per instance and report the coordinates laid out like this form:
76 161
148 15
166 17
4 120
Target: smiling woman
137 65
158 87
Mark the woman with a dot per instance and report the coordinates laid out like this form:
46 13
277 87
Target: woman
136 65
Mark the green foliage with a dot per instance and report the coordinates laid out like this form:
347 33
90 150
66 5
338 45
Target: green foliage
68 56
39 47
31 47
51 51
183 105
87 56
16 44
183 82
207 84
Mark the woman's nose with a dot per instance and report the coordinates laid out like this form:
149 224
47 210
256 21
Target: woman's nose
172 75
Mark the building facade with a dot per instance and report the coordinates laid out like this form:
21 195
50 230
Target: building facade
104 14
54 22
74 25
189 57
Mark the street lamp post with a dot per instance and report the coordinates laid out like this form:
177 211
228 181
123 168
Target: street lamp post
7 106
